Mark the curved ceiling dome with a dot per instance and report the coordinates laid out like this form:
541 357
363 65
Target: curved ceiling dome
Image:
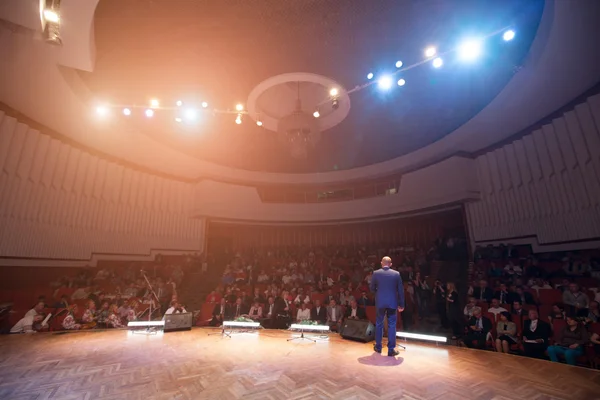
208 51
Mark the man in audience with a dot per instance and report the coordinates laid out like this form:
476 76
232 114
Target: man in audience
63 303
536 334
502 294
303 313
221 312
576 301
330 296
81 293
364 300
239 308
318 313
334 316
175 308
496 309
483 292
479 327
521 295
270 313
31 321
471 304
355 312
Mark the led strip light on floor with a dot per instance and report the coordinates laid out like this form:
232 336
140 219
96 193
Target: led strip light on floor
419 336
302 327
239 324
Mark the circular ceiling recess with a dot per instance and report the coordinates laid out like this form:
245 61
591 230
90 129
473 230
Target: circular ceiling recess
214 55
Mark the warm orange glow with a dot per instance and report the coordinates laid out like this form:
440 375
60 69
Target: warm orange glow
154 103
239 107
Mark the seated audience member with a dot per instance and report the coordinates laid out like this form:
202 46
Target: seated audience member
258 297
69 322
334 316
593 312
346 298
89 315
540 284
502 294
131 311
520 295
318 313
63 303
301 297
103 313
355 312
256 311
483 292
536 334
507 333
557 312
364 300
517 309
175 308
31 322
131 290
576 301
113 320
570 342
303 313
471 304
270 313
221 312
479 327
496 309
330 296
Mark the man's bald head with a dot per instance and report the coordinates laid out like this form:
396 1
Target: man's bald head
386 261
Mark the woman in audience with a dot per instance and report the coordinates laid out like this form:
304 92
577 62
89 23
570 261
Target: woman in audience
570 342
113 320
89 315
593 312
69 322
507 333
454 312
256 311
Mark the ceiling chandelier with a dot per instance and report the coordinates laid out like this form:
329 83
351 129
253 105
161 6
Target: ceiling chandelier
299 131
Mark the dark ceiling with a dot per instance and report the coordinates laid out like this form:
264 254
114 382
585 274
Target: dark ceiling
220 50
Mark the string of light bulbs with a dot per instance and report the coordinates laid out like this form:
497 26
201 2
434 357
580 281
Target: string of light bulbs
468 50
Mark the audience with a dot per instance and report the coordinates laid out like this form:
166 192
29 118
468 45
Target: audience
536 335
479 328
507 333
569 342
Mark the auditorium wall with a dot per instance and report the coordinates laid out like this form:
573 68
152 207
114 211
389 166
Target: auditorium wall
61 203
544 188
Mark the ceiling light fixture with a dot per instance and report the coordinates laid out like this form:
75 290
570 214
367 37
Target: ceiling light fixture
430 52
399 64
149 113
127 112
316 114
438 62
239 107
154 103
508 35
238 119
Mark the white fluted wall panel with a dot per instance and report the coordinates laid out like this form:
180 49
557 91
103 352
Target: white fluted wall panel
57 201
545 185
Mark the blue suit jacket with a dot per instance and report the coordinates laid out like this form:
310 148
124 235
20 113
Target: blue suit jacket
387 286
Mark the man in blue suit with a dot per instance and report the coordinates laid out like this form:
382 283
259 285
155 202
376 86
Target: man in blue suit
389 297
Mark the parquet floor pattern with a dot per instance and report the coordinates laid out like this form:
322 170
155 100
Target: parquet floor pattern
193 365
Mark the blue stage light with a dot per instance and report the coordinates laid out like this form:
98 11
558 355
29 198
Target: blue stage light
508 35
385 82
438 62
470 49
370 75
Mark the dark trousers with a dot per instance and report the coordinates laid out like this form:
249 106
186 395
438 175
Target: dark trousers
391 317
441 309
475 340
535 350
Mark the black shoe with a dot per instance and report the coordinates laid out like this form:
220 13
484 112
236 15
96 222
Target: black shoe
393 353
376 350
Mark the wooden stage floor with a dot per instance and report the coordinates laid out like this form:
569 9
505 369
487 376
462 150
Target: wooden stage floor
193 365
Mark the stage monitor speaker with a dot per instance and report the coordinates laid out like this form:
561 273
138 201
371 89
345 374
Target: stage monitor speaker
361 330
178 322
